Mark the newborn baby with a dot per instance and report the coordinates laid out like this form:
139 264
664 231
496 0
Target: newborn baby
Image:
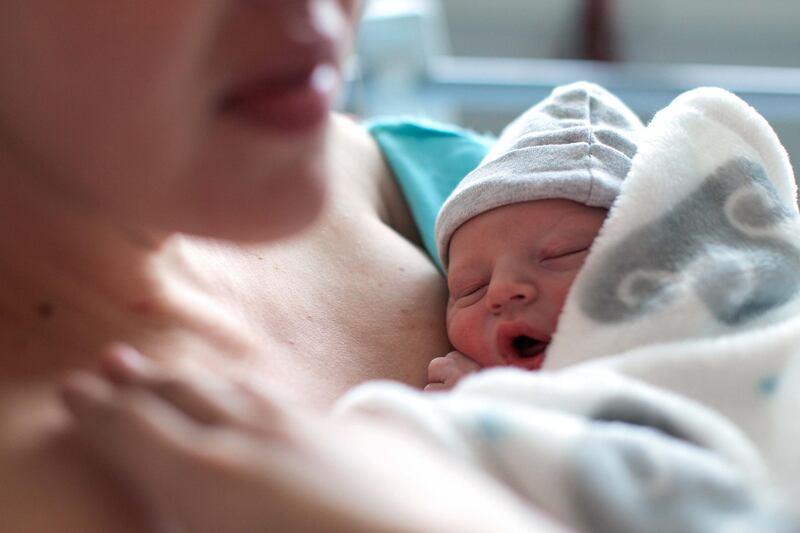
515 232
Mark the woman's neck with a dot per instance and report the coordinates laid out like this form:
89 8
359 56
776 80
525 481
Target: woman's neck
72 281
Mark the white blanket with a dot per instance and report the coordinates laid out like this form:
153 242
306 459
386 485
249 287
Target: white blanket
669 400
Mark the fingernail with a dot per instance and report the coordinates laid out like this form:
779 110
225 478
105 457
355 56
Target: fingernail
128 357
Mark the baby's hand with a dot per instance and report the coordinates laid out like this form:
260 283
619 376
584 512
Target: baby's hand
445 372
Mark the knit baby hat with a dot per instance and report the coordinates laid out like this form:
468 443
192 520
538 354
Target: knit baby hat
577 144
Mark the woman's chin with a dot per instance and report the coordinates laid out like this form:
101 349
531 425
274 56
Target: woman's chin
286 228
298 211
280 217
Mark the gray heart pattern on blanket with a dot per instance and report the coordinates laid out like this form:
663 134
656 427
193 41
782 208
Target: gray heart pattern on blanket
722 242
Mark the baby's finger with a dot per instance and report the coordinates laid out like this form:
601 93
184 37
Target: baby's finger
464 364
440 369
436 387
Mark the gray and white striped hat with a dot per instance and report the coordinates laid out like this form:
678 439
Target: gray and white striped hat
576 145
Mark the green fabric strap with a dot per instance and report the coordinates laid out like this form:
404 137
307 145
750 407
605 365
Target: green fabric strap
429 160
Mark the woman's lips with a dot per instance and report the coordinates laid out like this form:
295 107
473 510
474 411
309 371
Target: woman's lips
295 104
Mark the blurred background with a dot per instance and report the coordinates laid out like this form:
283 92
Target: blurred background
479 63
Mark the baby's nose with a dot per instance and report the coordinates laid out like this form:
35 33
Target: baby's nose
506 293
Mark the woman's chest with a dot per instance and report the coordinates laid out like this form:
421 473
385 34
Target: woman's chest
335 311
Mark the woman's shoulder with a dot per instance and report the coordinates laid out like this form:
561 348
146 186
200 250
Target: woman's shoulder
359 163
425 160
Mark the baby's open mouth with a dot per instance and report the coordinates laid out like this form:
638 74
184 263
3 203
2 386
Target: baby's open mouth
522 345
528 347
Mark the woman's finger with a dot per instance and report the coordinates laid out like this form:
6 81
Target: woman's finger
192 476
204 397
201 396
123 425
210 479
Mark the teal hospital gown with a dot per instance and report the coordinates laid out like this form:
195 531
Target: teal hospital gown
429 159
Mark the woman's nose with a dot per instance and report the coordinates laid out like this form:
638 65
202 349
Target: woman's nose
502 294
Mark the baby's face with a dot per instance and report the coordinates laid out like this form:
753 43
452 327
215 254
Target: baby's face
509 274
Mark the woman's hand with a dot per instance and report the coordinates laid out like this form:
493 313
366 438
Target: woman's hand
445 372
210 456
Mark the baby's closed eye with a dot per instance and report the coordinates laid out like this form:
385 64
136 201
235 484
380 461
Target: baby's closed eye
567 259
468 294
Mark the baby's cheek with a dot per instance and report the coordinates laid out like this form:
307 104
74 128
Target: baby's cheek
560 297
466 331
470 338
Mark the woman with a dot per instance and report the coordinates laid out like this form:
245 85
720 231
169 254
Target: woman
152 154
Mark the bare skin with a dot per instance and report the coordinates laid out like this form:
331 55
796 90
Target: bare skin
129 129
446 371
216 455
307 332
510 287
